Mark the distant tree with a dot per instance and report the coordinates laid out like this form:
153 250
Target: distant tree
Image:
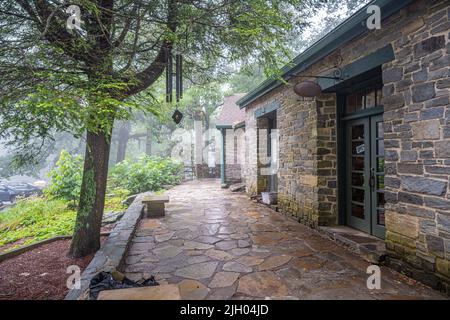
8 169
245 80
320 17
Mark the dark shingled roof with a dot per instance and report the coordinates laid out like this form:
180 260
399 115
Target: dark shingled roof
231 113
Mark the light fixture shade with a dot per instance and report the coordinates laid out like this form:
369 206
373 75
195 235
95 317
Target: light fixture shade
307 89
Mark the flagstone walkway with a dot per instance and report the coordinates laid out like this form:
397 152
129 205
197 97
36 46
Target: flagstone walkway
216 244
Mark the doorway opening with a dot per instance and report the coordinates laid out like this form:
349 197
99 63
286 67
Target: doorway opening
268 153
362 168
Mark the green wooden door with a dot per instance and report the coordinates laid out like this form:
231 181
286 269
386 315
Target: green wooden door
377 176
365 175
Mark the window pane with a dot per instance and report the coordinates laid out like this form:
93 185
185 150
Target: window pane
380 217
351 104
358 211
355 102
380 148
380 130
357 179
380 182
370 98
358 163
358 132
380 199
380 164
380 97
358 195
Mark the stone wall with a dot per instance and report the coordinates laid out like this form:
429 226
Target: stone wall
234 155
326 160
204 171
417 141
297 180
251 150
262 182
307 175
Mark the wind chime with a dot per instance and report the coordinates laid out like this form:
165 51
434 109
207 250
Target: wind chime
177 115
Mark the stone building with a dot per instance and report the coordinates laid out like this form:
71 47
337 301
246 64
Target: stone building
372 150
231 123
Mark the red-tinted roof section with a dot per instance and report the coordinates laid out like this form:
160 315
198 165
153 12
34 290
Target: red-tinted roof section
231 113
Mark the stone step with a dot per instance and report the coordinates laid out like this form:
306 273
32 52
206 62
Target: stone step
370 248
161 292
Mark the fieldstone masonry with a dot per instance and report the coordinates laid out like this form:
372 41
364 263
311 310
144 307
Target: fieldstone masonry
416 117
417 141
234 155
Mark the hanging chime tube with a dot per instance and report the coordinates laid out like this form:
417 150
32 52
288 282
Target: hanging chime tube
177 77
169 75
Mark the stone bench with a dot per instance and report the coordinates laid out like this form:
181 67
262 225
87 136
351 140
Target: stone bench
155 206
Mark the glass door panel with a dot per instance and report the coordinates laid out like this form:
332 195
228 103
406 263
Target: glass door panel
365 197
358 211
377 160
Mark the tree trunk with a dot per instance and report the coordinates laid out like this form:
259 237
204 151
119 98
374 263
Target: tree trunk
148 142
124 136
86 239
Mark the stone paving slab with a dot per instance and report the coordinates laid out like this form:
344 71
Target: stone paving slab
113 253
161 292
215 244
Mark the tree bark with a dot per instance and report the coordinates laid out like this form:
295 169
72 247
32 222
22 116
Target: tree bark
86 239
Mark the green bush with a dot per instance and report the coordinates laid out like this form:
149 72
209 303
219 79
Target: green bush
145 174
66 178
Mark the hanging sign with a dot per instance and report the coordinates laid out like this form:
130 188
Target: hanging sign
360 149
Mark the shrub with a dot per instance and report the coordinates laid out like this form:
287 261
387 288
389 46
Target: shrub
66 178
114 199
146 174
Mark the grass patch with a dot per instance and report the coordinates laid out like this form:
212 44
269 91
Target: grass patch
113 200
38 218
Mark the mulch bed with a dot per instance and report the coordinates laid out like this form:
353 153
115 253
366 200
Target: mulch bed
40 273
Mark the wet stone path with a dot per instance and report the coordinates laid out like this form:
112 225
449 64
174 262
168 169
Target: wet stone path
215 244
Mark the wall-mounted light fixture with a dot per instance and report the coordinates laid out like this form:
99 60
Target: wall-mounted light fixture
310 88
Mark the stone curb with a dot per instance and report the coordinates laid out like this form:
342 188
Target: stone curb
112 254
13 253
18 251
